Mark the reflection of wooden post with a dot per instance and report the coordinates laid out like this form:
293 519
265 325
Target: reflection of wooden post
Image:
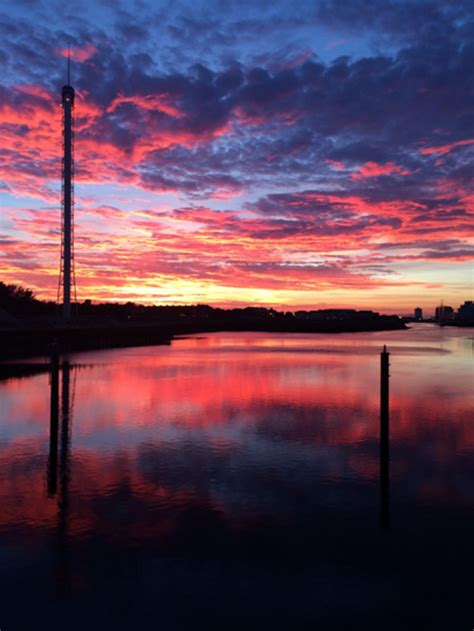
65 404
384 439
53 423
63 575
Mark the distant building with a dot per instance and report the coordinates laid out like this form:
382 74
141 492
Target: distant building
418 313
444 313
466 311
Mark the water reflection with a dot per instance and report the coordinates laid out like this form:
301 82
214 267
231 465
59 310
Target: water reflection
225 471
63 579
61 561
52 474
384 439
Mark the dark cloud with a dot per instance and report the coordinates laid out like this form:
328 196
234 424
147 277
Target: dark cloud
403 18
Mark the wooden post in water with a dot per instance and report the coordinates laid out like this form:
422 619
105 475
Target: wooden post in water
384 439
53 420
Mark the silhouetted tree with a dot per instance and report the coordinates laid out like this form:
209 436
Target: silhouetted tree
15 294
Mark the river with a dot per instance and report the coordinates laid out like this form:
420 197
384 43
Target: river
232 480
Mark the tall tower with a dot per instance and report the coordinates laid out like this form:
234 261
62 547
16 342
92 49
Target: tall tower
66 274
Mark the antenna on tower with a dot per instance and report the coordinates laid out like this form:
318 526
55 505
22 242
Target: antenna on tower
69 63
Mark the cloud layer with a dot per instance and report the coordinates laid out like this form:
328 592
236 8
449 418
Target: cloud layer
252 168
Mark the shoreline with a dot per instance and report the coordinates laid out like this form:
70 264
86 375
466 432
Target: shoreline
35 341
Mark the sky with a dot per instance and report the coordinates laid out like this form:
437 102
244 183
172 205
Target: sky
283 154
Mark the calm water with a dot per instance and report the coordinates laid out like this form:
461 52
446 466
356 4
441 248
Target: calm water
233 481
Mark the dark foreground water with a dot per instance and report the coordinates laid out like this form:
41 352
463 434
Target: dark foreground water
233 482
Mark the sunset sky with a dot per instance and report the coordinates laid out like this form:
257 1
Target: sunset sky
285 154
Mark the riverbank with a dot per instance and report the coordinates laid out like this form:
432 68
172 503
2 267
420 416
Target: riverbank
29 340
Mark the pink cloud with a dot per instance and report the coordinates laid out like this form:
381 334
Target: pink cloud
373 169
160 102
79 53
443 149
